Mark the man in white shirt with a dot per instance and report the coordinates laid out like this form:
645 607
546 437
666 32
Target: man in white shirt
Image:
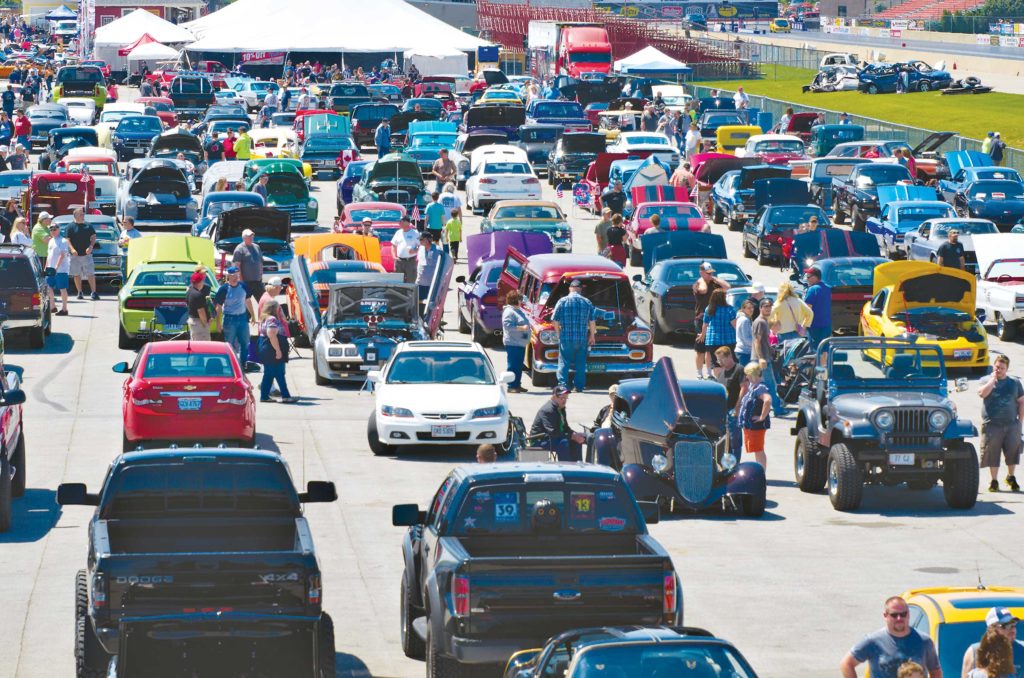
58 259
741 99
406 242
692 141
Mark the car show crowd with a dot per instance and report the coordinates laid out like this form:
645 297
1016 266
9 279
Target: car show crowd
184 198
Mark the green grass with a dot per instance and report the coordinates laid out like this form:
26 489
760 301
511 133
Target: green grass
973 116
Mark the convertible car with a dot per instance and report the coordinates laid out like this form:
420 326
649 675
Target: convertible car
1001 281
923 243
932 302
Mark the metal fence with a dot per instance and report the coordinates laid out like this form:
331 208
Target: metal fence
798 57
969 23
873 128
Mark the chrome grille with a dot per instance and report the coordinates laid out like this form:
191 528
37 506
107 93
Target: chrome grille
608 350
297 211
694 466
403 198
449 416
910 421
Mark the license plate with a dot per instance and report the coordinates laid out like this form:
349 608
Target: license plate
596 367
190 404
962 354
901 459
443 431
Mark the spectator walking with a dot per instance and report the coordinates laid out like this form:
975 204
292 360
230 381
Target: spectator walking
614 198
229 144
683 177
248 257
998 621
23 129
575 322
41 235
741 99
443 171
994 657
997 150
818 298
426 265
601 230
888 648
271 292
951 252
449 200
730 374
719 328
1002 409
515 335
754 407
82 237
382 138
434 216
233 304
551 428
649 120
19 159
7 100
706 283
691 142
791 316
762 354
616 236
58 268
406 244
196 300
273 353
744 331
453 233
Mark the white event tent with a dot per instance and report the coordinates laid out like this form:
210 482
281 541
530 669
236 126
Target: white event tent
152 54
326 26
651 61
128 29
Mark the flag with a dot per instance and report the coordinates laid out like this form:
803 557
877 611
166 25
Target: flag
345 157
415 213
558 191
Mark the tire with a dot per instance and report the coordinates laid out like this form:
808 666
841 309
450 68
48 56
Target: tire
378 448
439 666
747 254
5 494
857 220
1006 331
475 332
872 89
840 216
960 481
412 645
325 647
317 377
717 215
735 225
463 325
18 461
49 323
37 337
762 258
123 340
845 484
924 86
808 469
658 335
90 657
539 379
752 505
636 256
81 594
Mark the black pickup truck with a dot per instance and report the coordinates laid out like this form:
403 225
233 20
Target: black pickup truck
856 195
199 531
192 94
511 554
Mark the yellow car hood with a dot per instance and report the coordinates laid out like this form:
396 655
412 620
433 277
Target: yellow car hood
366 247
170 249
922 283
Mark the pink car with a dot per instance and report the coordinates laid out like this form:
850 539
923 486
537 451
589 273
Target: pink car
671 204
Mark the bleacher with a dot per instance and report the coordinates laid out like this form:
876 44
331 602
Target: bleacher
928 9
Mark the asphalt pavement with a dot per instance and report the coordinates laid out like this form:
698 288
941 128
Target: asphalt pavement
793 590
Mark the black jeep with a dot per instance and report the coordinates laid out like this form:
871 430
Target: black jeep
877 411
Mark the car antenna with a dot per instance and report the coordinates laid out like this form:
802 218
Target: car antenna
981 585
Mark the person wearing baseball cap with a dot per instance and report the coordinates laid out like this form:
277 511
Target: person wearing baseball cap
819 297
366 227
233 303
41 235
248 257
551 427
575 321
998 620
197 300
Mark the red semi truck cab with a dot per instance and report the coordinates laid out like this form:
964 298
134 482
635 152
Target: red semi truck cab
583 49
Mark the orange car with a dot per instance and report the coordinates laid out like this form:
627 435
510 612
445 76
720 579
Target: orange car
7 67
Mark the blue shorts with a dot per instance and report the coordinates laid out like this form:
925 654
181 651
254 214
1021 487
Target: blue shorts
58 281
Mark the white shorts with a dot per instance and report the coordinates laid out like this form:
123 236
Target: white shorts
82 266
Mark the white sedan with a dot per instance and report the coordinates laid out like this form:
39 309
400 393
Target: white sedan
438 393
496 180
655 142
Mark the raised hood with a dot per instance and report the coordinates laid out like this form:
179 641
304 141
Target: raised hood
991 248
958 160
781 192
170 249
748 175
932 142
712 169
830 243
387 301
400 121
268 223
652 172
483 247
603 164
432 127
186 143
588 92
921 283
680 245
583 142
904 192
395 165
495 116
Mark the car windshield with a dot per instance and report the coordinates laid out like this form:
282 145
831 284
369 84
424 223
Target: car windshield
790 216
829 170
440 367
517 509
852 273
382 214
349 90
70 73
374 113
954 639
589 143
190 85
162 106
685 272
925 212
527 212
1009 270
433 140
16 271
218 206
1001 190
888 366
140 124
647 139
506 168
116 116
54 114
720 119
557 109
671 212
328 144
882 174
75 138
661 659
965 228
590 57
997 173
264 86
779 146
187 365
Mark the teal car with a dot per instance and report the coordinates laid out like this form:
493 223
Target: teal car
532 216
151 304
427 138
288 192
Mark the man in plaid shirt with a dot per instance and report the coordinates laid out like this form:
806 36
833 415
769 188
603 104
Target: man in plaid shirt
575 322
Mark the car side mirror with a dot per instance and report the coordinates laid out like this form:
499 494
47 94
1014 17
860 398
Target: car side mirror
76 494
373 376
651 511
16 396
875 311
407 515
507 378
461 279
252 367
319 492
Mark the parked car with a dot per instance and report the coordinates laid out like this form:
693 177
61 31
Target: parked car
539 140
322 274
782 205
172 144
24 308
192 95
253 92
272 232
81 110
774 149
288 192
321 151
62 140
426 138
497 180
1001 201
851 281
923 243
653 143
350 176
673 208
366 117
966 167
394 178
45 118
57 193
163 107
821 172
80 81
216 202
856 195
113 114
1001 282
733 194
159 196
13 469
134 135
344 95
571 155
902 210
532 216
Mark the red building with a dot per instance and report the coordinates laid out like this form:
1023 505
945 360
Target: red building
175 11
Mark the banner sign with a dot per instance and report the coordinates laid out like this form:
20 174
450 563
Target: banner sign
262 58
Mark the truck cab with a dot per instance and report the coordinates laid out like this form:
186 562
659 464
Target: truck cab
584 49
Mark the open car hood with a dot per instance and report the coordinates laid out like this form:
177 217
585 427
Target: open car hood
494 76
888 193
781 192
932 142
394 165
491 246
266 222
177 142
681 245
748 175
652 171
587 92
583 142
958 160
400 121
382 300
495 116
828 243
713 167
922 283
603 164
994 247
170 249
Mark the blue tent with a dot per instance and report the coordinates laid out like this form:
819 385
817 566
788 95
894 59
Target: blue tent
62 13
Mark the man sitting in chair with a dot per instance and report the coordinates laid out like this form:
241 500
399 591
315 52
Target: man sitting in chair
551 428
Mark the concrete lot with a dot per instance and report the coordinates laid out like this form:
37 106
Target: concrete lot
793 590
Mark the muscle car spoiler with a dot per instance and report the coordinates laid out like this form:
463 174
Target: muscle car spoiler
888 193
432 127
492 246
829 243
991 248
781 192
748 175
266 223
680 245
958 160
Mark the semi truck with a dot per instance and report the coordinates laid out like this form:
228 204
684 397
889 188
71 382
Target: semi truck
573 49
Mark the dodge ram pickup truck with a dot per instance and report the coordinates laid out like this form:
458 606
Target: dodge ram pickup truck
856 196
198 531
510 554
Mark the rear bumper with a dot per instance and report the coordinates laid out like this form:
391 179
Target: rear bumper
489 651
22 322
235 424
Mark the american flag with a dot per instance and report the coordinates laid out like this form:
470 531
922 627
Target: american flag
415 213
558 191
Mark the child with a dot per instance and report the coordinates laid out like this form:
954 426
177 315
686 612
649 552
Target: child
910 670
453 233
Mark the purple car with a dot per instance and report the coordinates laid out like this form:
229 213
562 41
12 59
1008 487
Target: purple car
349 178
478 305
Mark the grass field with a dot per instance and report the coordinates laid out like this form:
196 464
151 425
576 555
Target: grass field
973 116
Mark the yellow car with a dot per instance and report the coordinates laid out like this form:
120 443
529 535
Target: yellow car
954 617
500 96
277 142
730 138
935 303
780 26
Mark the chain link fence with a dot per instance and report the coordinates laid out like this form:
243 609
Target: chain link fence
873 128
758 53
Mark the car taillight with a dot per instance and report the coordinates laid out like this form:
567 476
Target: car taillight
233 394
669 594
773 237
460 593
99 591
488 181
37 301
143 304
145 395
531 180
314 595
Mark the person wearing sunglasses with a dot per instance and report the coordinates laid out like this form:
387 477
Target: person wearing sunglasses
1002 620
890 647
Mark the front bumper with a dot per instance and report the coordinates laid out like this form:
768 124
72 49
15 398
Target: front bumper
161 223
417 430
598 364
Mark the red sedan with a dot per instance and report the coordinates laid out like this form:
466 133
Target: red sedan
164 109
187 392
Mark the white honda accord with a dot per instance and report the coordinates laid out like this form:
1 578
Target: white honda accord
438 393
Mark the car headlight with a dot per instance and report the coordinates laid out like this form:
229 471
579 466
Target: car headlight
389 411
938 420
311 204
639 337
485 412
549 337
659 463
335 352
885 420
562 166
728 462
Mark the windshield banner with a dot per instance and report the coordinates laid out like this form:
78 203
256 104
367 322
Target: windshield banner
263 58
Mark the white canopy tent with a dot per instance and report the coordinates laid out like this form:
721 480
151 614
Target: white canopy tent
438 61
129 28
152 54
651 61
325 26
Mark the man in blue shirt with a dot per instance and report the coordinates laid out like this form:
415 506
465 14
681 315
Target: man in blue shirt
233 302
819 298
575 323
893 645
382 138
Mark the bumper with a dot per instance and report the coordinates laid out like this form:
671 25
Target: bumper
22 322
227 423
638 367
489 651
494 196
161 223
418 431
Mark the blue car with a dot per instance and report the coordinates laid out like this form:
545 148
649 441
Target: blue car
349 178
1001 201
966 167
566 113
917 76
733 195
218 202
902 210
134 134
426 140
